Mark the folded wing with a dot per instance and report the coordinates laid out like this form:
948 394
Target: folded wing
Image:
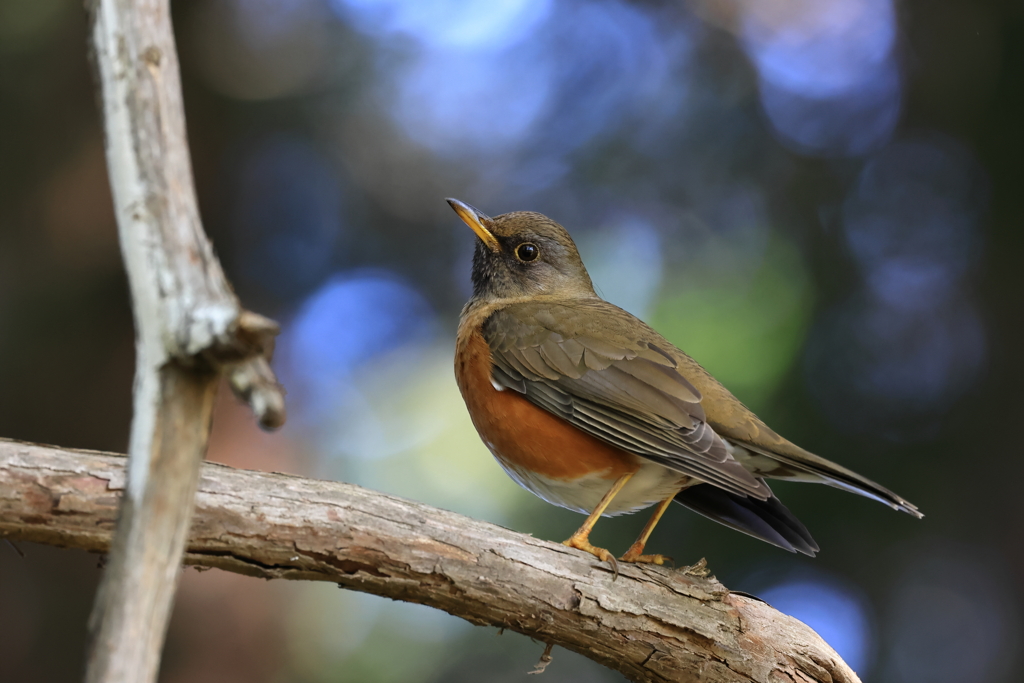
581 362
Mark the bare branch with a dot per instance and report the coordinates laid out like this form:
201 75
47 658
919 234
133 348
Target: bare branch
652 624
189 328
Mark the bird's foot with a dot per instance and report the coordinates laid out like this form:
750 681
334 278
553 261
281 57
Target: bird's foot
699 569
635 554
581 542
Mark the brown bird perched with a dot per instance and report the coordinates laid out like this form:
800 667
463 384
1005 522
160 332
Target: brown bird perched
590 409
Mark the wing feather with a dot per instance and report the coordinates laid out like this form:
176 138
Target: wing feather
558 358
581 365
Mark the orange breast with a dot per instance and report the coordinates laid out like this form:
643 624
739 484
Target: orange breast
521 434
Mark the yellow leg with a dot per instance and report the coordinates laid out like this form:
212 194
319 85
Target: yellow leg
581 539
635 552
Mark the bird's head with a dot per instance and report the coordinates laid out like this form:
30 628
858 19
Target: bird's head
523 254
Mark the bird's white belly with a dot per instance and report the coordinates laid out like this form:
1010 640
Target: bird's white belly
651 484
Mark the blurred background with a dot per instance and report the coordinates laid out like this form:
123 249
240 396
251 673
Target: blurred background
819 200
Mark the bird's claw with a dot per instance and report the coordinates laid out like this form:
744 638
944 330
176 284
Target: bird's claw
635 554
600 553
648 559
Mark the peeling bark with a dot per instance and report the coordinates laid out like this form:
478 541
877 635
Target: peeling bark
652 624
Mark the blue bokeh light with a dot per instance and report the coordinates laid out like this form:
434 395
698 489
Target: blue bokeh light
829 79
585 70
912 220
852 123
625 263
820 49
835 611
461 103
903 349
467 24
351 319
286 215
615 67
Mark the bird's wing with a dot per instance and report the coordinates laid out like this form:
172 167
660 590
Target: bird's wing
585 362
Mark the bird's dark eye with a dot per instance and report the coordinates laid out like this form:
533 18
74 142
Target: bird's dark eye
527 251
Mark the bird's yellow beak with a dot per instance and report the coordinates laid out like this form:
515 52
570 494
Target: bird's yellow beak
475 220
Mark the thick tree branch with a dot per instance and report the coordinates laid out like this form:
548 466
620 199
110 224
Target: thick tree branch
190 328
652 624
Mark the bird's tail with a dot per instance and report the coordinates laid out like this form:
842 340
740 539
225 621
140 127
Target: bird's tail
768 520
830 473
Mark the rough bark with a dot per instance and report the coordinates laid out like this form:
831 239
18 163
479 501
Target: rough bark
652 624
190 328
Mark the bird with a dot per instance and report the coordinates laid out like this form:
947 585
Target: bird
591 409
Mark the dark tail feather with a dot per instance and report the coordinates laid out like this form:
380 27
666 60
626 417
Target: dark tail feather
768 520
834 475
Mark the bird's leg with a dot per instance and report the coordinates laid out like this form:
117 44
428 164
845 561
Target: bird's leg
635 552
581 539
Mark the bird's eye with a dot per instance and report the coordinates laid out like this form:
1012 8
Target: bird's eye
527 251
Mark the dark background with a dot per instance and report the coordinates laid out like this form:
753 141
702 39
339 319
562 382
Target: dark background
820 201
